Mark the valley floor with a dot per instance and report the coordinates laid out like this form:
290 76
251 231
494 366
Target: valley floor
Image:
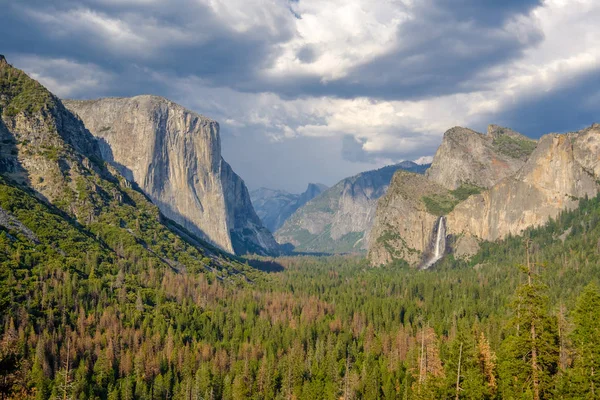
309 327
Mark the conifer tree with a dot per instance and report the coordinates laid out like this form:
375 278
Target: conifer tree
585 377
530 350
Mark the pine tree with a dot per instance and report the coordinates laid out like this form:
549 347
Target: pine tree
531 348
585 377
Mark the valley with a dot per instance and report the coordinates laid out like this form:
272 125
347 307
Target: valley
136 264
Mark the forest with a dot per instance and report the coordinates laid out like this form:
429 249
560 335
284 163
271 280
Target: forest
81 320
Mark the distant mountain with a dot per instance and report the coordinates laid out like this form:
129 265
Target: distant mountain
339 219
274 207
174 156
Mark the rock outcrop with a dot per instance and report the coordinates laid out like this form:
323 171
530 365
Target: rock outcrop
174 156
561 169
57 193
403 224
339 219
472 158
274 207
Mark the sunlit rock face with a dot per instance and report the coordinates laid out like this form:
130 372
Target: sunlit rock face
469 157
403 224
562 169
174 156
535 184
339 219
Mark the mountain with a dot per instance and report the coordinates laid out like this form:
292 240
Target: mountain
404 220
339 219
563 169
63 205
469 157
274 207
494 185
174 156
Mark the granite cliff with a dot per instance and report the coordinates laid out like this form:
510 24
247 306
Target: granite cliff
403 222
274 207
340 218
469 157
58 195
174 156
562 169
487 187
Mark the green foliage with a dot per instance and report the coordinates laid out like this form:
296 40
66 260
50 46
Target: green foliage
530 351
584 379
440 204
465 191
514 147
21 93
348 243
443 204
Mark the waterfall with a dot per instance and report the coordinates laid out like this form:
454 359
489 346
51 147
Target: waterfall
437 245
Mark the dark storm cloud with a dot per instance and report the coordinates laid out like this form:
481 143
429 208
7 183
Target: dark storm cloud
571 106
307 54
441 49
484 12
207 47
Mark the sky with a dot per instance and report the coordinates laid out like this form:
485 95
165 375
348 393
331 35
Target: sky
318 90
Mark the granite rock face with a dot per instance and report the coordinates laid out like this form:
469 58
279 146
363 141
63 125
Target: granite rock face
174 156
523 191
562 169
274 207
339 219
403 225
469 157
51 167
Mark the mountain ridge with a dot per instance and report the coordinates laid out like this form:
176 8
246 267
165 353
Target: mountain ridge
274 207
52 172
338 220
504 198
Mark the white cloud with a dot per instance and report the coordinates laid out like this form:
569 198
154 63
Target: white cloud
424 160
328 42
65 78
342 34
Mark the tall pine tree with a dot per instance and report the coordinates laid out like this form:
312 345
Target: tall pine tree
531 348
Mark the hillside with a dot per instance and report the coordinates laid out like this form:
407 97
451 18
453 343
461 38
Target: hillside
53 177
305 331
340 218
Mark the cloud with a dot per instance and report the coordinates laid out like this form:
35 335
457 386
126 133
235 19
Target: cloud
424 160
353 149
323 88
399 50
66 78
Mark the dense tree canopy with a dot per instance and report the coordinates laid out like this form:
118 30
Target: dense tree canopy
82 321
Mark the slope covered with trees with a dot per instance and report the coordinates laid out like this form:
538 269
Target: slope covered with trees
78 320
101 297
